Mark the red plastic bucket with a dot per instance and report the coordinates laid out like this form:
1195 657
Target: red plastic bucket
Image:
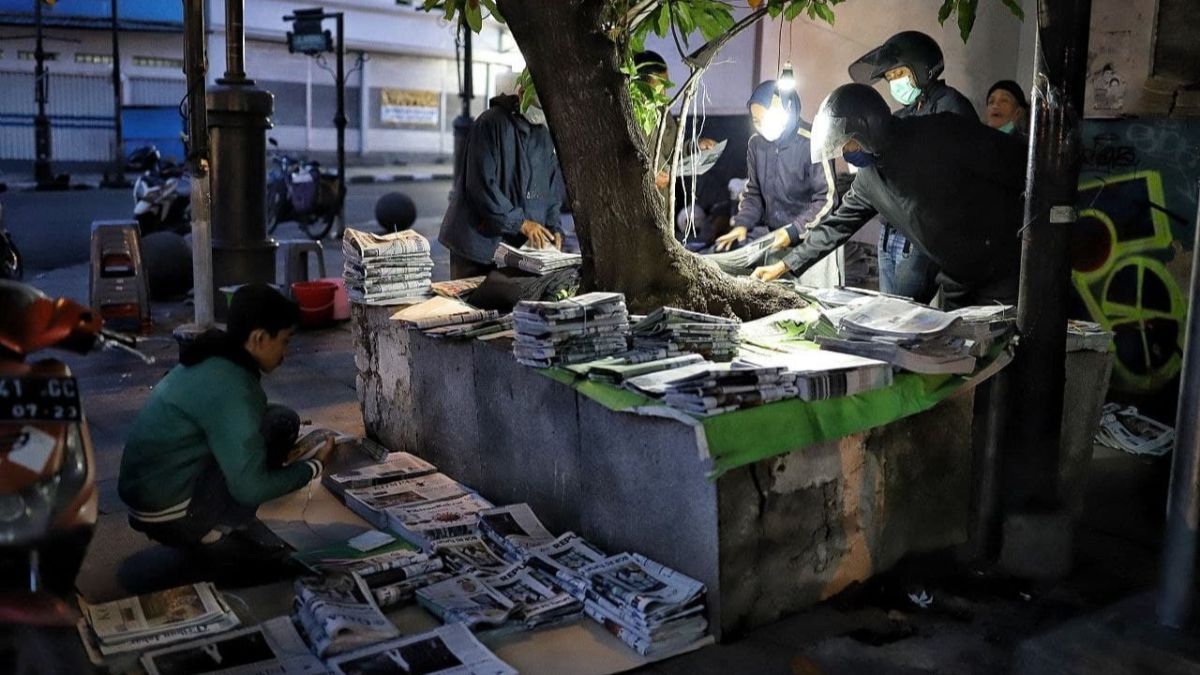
315 299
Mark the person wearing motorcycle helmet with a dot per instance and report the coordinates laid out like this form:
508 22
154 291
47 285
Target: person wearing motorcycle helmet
912 63
784 187
951 185
207 449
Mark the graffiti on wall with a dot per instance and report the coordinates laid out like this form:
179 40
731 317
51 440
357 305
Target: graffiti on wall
1131 251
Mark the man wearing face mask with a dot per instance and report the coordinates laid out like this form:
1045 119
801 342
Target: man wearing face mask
509 188
785 192
925 175
912 64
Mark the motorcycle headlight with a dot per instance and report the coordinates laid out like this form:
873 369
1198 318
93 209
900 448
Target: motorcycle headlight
26 515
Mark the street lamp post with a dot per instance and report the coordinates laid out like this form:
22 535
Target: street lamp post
42 172
117 176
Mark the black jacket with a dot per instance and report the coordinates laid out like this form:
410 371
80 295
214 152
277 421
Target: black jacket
952 185
510 175
939 97
784 188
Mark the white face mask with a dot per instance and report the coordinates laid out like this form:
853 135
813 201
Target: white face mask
535 115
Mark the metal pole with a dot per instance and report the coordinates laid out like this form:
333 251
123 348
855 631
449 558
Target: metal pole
462 123
196 67
118 171
1039 369
41 123
1177 590
235 41
339 121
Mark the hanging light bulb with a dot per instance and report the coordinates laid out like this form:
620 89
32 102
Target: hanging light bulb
774 121
787 78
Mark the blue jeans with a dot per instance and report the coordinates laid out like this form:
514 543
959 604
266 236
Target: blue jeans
903 268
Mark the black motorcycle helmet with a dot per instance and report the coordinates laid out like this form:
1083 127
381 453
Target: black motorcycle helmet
911 48
850 112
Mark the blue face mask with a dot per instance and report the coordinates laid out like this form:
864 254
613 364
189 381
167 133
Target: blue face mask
1008 127
859 158
903 91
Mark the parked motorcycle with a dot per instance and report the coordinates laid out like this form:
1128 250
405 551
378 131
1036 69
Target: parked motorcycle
297 189
162 194
11 266
47 481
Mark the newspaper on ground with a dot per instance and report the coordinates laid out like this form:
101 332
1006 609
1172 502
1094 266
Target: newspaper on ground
348 557
539 599
372 502
579 329
312 438
514 529
441 311
672 331
155 619
424 524
539 261
1124 428
517 597
564 557
386 269
447 650
471 553
338 613
396 466
1087 336
273 647
466 599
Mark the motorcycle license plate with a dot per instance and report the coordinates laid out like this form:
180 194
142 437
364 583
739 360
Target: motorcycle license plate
39 398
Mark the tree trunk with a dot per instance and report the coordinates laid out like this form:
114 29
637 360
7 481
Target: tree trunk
625 234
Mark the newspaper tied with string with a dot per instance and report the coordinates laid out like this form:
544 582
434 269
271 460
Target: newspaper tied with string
1124 428
387 269
583 328
669 331
337 613
153 620
450 649
539 261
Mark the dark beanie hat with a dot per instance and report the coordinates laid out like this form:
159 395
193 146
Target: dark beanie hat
1012 88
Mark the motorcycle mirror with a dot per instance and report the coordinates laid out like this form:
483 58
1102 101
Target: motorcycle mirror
274 143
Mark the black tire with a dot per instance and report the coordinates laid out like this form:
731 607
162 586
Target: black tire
316 227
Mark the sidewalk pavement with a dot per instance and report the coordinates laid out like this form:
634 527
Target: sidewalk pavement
355 175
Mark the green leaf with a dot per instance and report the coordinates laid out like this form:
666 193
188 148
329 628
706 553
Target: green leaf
451 9
491 8
966 17
474 17
663 21
684 19
946 10
1014 7
825 13
793 10
430 4
774 10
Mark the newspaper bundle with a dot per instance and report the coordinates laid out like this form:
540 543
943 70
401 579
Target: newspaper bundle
273 647
983 325
564 557
154 620
450 649
514 529
386 269
372 502
1124 428
517 597
423 524
471 553
1087 336
396 466
583 328
903 333
539 261
820 374
473 330
440 312
618 370
650 607
338 614
670 331
722 388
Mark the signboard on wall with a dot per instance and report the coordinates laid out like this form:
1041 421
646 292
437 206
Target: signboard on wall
408 108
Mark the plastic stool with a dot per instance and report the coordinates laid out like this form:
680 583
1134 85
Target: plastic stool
296 253
117 287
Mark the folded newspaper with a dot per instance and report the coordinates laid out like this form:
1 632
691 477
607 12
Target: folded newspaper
514 529
373 502
154 620
448 650
819 374
539 261
1087 336
441 311
424 524
583 328
396 466
906 334
387 269
672 331
698 163
272 647
517 597
471 553
1124 428
338 614
564 557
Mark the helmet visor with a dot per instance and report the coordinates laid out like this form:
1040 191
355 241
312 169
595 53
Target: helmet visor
871 66
829 136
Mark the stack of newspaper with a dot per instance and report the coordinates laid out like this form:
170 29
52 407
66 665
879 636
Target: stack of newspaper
391 569
441 312
518 597
386 269
421 509
1087 336
983 325
1124 428
580 329
819 374
474 330
396 466
618 370
338 613
514 529
721 388
271 647
539 261
448 649
903 333
669 331
650 607
154 620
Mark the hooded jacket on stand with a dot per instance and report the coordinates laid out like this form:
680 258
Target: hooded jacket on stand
509 175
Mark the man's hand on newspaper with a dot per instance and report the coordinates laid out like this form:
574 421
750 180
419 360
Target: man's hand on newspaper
734 236
770 272
558 240
662 180
782 240
537 234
